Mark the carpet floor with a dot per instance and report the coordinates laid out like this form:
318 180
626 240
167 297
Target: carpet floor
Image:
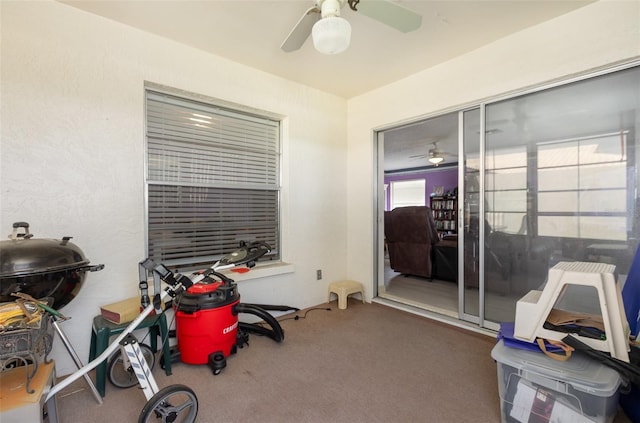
368 363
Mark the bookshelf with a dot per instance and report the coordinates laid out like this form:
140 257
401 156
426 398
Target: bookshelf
445 214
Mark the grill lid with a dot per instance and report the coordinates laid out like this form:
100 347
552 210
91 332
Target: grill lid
24 256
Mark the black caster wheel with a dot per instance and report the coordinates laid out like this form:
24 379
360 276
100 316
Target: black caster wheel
173 404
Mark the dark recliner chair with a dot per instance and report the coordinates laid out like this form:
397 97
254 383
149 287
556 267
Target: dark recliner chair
410 234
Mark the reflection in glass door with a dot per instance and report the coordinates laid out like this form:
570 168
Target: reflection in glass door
560 184
547 176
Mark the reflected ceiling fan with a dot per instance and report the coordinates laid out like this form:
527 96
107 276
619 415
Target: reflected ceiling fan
435 155
331 34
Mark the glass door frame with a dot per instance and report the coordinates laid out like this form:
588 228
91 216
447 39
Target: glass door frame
378 135
478 319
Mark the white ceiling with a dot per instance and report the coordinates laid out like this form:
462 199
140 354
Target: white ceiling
251 32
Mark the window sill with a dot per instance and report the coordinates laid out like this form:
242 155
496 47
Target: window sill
261 271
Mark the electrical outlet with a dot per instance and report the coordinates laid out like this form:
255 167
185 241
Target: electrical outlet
318 274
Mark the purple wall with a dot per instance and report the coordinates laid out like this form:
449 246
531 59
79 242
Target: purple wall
448 178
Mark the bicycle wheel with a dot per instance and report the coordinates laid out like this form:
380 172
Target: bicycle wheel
173 404
126 378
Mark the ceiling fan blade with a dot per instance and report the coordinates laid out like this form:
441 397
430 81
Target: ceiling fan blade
301 30
392 14
418 156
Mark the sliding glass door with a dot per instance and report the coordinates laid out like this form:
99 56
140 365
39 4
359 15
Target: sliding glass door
553 178
546 176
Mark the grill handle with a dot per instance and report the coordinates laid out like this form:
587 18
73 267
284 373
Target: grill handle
23 235
92 268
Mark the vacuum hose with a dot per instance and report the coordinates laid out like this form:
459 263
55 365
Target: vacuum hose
276 333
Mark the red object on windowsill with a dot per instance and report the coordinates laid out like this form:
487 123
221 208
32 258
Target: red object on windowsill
240 269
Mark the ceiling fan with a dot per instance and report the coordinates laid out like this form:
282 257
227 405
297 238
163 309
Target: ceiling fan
435 155
331 34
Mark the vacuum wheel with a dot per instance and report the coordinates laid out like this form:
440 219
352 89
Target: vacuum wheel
173 404
126 378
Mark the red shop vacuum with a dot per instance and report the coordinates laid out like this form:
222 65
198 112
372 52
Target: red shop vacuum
206 314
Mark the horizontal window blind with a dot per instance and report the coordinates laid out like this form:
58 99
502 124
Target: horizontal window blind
212 181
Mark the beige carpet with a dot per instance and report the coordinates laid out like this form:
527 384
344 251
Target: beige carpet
369 363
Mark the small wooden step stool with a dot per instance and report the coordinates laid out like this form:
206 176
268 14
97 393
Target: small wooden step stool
533 309
343 289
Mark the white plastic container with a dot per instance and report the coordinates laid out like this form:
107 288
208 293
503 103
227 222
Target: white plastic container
534 387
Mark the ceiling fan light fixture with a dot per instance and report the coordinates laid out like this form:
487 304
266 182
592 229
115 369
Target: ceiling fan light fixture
436 160
331 35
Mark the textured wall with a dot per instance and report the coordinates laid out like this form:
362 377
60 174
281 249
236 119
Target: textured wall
72 152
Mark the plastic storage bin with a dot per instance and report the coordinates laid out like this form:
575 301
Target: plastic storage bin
536 388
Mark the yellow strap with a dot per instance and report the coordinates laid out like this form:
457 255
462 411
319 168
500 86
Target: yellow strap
556 356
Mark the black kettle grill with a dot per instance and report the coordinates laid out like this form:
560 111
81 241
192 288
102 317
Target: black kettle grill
41 267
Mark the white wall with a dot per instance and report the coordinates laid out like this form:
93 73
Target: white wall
596 35
72 152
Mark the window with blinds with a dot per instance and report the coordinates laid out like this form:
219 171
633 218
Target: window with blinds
212 180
